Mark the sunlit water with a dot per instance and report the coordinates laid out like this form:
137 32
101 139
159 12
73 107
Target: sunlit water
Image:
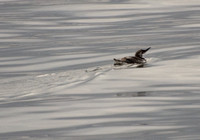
58 80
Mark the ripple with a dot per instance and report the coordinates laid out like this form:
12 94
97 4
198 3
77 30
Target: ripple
57 76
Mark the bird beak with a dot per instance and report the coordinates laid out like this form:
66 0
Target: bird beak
144 51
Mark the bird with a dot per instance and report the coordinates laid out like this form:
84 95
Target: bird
138 59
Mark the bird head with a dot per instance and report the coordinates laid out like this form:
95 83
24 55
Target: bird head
140 52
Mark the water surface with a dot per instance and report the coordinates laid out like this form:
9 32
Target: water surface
58 82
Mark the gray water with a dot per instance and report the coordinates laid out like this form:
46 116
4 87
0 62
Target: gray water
58 82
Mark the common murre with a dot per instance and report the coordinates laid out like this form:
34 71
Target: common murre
138 59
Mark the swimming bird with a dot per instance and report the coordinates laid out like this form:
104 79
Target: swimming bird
137 59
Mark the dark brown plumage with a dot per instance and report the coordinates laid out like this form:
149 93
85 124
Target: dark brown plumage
137 59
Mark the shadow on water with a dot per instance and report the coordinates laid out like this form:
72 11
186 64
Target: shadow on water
137 94
172 117
158 29
43 36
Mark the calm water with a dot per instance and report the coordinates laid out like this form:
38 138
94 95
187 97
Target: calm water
58 82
